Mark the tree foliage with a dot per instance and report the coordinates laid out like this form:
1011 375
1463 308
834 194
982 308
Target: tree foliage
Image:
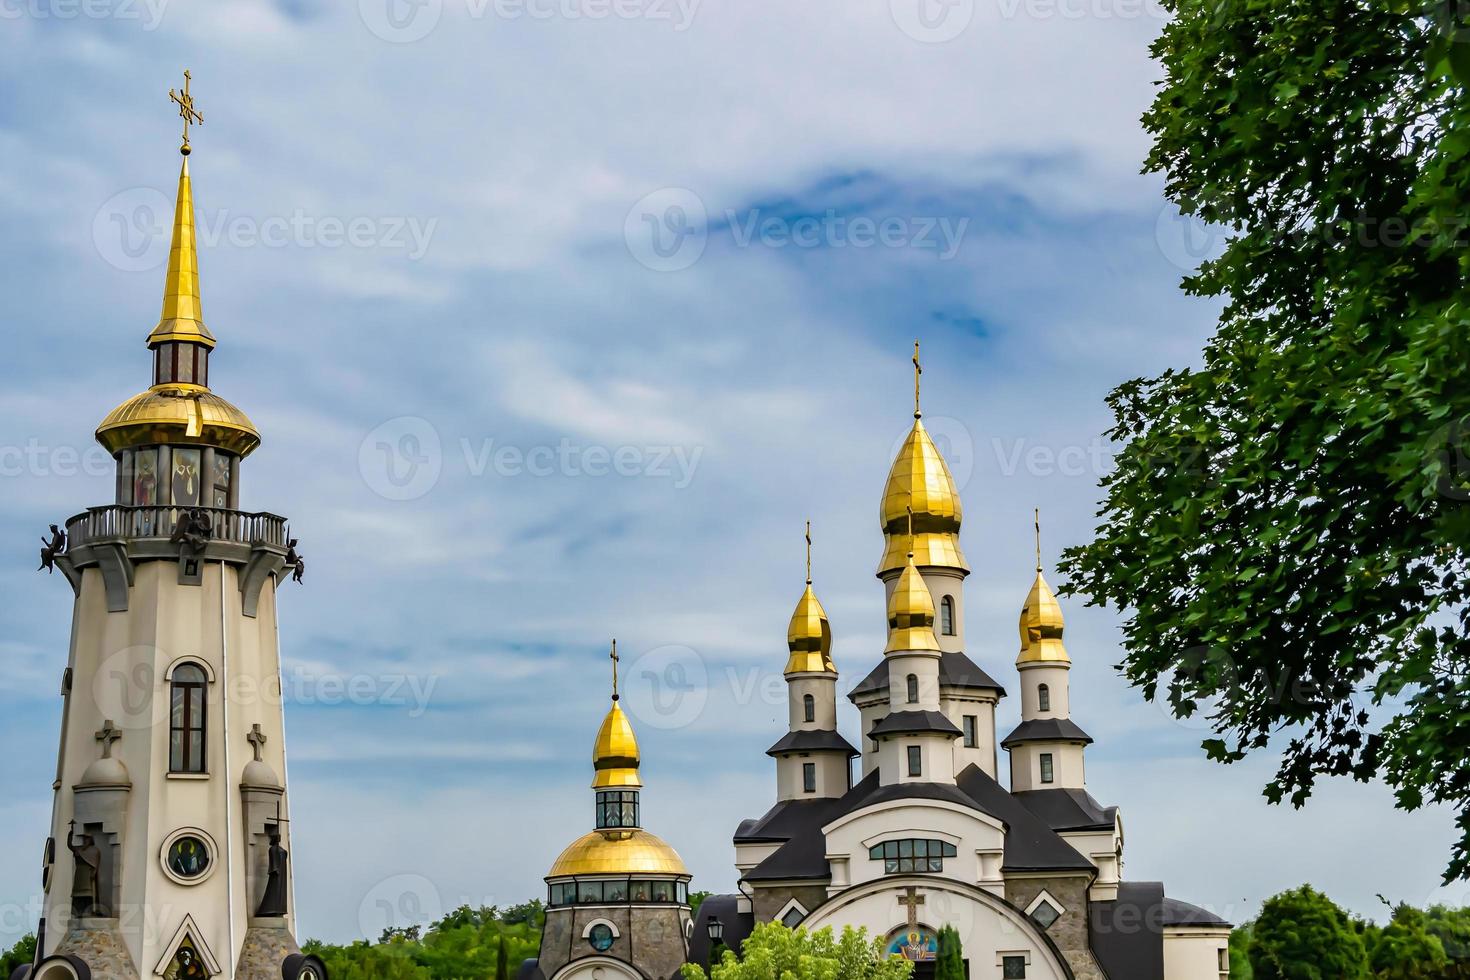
21 954
1303 935
951 965
1405 949
774 952
1288 523
466 943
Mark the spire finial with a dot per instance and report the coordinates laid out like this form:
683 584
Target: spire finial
186 111
615 695
911 530
808 552
918 371
1038 539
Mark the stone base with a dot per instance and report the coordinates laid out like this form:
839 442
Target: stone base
267 944
99 944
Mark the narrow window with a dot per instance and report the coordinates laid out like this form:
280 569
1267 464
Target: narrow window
1048 772
1224 964
1013 967
971 729
809 777
916 761
809 707
913 689
946 615
186 720
1043 698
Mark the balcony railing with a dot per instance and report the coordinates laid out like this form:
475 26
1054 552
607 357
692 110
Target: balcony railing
119 522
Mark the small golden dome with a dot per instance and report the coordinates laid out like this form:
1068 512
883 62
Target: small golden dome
179 414
615 754
809 637
634 852
911 614
1041 627
921 479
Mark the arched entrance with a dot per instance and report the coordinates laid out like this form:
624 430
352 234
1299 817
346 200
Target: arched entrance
598 968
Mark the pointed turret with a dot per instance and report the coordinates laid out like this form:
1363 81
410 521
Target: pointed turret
182 318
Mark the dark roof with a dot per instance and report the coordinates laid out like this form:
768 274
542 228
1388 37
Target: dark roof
738 926
530 970
1177 913
1068 809
1126 936
914 722
955 670
1030 844
1046 730
813 742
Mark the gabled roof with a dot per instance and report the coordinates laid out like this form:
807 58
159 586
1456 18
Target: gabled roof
1030 844
955 670
1046 730
1068 809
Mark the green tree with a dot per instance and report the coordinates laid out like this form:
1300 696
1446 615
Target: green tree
1302 935
21 954
1287 523
774 952
951 964
502 959
1240 953
1405 949
1452 928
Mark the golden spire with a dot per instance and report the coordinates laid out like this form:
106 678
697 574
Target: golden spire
920 479
615 753
182 318
1041 623
911 610
809 637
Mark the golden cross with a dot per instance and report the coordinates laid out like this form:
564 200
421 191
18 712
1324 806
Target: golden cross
186 110
918 370
1038 539
615 669
808 552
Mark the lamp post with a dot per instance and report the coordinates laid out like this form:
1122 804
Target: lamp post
716 940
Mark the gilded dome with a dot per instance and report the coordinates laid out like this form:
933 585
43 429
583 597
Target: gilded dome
911 614
1041 627
179 414
809 637
920 479
635 852
615 754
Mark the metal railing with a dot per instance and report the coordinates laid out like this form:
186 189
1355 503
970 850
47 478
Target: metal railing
120 522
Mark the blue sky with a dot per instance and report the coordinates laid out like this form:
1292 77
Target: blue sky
559 319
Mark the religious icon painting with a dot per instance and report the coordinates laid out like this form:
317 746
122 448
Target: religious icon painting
186 477
915 945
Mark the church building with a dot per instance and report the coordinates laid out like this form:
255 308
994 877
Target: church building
169 852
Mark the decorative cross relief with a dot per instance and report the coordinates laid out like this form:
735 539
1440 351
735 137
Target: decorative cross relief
912 901
109 734
257 740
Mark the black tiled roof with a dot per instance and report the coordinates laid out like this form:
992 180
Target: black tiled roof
738 926
1068 809
1126 934
813 742
1046 730
914 722
1030 844
1177 913
955 670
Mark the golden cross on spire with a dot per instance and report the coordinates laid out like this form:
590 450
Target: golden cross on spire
808 552
918 371
615 669
186 110
1038 539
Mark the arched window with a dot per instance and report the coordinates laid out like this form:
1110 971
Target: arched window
186 719
946 615
913 689
809 708
1043 698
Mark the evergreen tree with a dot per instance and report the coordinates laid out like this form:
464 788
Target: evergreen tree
502 960
951 964
1303 935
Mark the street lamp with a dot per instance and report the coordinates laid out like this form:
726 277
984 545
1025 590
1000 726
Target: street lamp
716 931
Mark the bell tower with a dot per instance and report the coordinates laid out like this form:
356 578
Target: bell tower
170 846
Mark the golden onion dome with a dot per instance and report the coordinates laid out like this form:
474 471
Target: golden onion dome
911 614
809 637
1041 627
920 479
633 852
180 414
615 754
